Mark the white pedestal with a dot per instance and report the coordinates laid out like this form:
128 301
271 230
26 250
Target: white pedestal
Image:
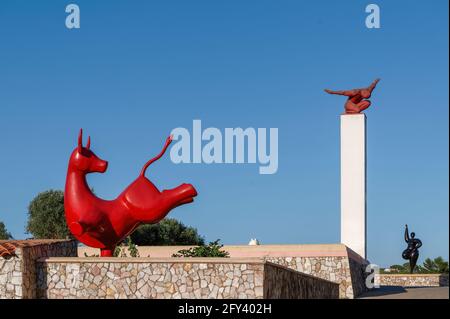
353 182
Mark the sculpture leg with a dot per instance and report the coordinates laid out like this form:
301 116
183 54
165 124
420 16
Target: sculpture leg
107 252
413 261
363 105
351 108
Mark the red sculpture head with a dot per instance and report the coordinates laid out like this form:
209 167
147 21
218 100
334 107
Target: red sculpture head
84 160
105 223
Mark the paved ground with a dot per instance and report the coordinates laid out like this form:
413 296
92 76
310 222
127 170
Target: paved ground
396 292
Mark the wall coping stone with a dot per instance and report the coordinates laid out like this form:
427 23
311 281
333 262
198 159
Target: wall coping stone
201 260
249 251
412 275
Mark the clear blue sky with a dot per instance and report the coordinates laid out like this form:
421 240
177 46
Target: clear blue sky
137 69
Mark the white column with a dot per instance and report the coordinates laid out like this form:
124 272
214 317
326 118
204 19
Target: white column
353 182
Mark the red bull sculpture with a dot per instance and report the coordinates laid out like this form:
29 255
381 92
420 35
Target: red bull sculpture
103 223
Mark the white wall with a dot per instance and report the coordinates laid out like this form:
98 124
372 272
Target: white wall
353 182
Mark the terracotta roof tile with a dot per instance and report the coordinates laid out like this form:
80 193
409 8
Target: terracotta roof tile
8 247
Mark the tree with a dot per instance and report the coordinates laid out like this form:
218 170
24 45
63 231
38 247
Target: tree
430 266
167 232
437 265
4 234
442 265
46 216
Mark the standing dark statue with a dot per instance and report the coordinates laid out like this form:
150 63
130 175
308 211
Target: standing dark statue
412 252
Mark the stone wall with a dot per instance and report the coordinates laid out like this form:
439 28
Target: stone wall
358 276
342 266
284 283
333 262
121 278
217 278
345 271
85 277
335 269
412 280
18 269
10 277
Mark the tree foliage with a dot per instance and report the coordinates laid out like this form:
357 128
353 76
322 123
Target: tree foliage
4 234
213 249
168 232
46 216
430 266
436 265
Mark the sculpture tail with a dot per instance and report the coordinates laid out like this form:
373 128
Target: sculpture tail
157 157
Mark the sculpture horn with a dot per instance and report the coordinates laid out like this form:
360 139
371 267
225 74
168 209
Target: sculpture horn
80 140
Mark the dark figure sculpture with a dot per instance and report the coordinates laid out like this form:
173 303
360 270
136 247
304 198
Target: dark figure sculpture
357 98
412 252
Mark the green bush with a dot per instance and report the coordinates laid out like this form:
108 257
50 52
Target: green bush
127 244
213 249
132 248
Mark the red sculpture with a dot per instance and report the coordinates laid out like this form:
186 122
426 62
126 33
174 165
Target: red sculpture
357 98
104 223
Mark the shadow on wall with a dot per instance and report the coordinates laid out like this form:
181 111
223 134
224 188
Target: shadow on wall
443 281
42 285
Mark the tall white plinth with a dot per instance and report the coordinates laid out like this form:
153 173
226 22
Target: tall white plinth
353 182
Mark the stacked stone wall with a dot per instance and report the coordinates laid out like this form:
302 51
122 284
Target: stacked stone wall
412 280
18 270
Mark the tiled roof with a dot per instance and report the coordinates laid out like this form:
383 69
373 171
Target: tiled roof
8 247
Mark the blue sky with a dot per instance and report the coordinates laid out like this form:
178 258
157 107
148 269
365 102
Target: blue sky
137 69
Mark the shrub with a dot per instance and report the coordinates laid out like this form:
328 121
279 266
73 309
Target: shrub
213 249
127 244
